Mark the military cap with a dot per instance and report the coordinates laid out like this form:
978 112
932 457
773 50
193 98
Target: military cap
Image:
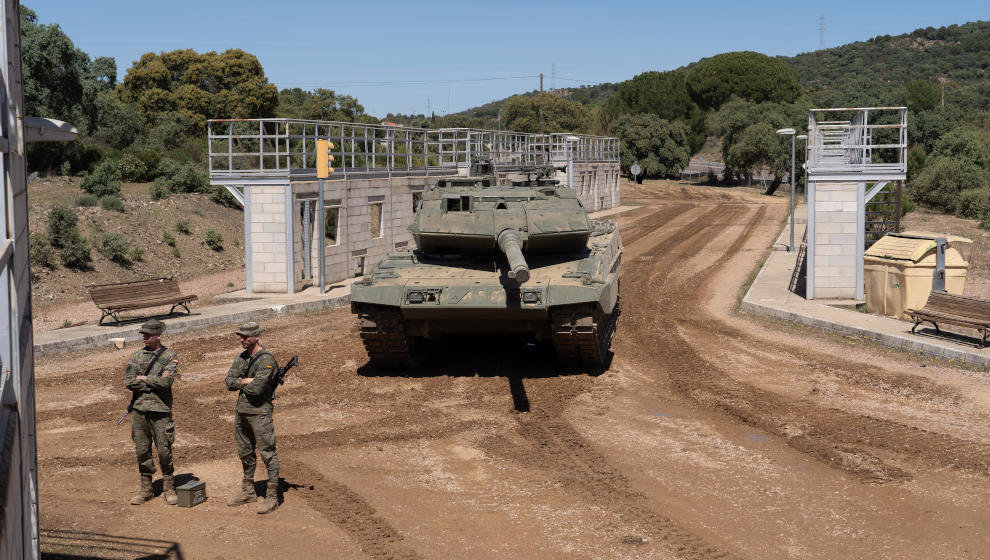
152 327
249 329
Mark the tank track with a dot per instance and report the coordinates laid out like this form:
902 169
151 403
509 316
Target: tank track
582 334
385 339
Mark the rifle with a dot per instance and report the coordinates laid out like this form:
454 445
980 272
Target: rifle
134 396
280 374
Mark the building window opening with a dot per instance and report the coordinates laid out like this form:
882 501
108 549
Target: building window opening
358 267
417 198
376 220
331 218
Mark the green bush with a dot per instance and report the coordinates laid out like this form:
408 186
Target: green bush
907 205
137 254
974 203
132 169
182 226
41 252
198 212
169 239
213 240
182 177
111 202
222 196
75 253
86 200
175 253
943 179
159 191
150 159
104 180
61 226
114 247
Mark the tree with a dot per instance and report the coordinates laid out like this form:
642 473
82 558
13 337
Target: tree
60 81
759 146
663 94
204 86
319 104
660 146
736 123
965 145
922 95
748 75
117 123
522 114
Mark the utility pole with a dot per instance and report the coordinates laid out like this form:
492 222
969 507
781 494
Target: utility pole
541 103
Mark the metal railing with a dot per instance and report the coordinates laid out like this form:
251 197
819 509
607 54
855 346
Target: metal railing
870 139
287 147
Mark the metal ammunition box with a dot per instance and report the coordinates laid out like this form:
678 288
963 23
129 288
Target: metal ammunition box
191 493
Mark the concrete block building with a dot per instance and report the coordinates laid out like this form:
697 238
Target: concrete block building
853 155
269 165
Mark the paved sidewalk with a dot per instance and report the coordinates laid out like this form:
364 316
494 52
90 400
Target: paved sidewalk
770 296
235 307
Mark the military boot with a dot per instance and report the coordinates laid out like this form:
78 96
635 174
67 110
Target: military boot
145 493
271 499
168 491
245 496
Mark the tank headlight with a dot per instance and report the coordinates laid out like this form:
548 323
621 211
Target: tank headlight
415 297
531 297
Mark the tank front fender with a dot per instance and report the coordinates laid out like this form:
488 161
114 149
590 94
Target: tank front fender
377 295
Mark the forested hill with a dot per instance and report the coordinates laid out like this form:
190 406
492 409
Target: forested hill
956 55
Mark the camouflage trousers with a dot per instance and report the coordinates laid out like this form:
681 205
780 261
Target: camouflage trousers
157 428
256 431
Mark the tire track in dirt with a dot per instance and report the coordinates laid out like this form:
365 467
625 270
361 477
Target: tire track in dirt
557 449
835 437
395 429
348 510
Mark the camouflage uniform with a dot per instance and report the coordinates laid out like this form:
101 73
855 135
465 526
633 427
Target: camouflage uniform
151 418
253 426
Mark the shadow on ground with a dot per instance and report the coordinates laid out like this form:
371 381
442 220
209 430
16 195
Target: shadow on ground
83 545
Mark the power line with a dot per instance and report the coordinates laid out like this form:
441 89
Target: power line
406 82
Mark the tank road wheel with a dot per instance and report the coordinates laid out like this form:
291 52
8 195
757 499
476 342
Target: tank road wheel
582 334
384 337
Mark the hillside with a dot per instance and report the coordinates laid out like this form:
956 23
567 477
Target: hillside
143 223
958 55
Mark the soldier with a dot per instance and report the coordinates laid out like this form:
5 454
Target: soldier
150 373
252 374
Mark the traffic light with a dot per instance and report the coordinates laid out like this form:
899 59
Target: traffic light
323 158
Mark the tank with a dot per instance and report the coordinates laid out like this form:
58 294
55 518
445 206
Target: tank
495 257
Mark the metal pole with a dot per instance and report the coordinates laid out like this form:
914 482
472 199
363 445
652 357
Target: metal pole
541 104
321 237
791 247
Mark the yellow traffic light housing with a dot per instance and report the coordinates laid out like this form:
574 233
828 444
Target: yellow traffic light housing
323 158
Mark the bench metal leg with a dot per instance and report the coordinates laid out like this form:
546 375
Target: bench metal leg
114 314
170 311
918 322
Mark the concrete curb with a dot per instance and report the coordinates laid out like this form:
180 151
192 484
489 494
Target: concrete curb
185 324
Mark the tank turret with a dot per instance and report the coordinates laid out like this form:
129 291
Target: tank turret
533 214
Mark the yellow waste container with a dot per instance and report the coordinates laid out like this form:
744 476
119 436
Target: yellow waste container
898 271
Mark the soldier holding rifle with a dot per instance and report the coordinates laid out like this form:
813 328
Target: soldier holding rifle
254 374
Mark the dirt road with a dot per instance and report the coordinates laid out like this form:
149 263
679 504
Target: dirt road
710 435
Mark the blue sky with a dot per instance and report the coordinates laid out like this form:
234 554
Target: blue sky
363 48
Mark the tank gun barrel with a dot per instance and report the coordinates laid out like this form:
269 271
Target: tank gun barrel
511 245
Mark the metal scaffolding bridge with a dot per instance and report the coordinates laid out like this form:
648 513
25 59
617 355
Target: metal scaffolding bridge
257 150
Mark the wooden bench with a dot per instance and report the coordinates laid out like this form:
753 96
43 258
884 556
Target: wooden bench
946 308
124 296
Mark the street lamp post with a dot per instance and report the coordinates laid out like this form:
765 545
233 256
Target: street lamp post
790 132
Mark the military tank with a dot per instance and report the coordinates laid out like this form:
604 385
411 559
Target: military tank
512 256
